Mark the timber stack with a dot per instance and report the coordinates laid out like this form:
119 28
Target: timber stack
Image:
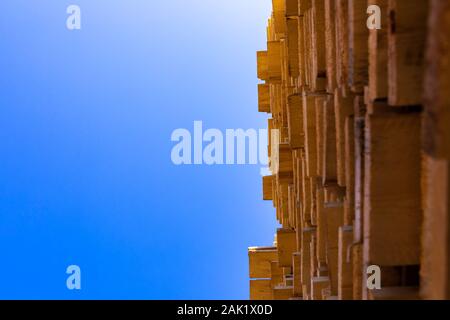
359 148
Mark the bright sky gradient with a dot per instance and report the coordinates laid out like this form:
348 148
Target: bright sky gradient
85 171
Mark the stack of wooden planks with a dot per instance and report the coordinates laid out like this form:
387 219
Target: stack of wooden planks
359 150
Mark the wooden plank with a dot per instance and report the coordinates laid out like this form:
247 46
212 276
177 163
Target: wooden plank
318 284
435 235
309 127
307 234
343 108
435 258
358 54
437 94
329 174
264 98
345 270
330 44
334 220
283 204
275 107
407 39
349 206
271 35
279 17
282 292
358 272
307 37
301 50
296 262
295 121
299 190
259 261
314 265
281 157
306 196
312 190
359 177
320 135
263 67
284 54
267 188
292 41
392 206
304 6
321 227
276 274
378 55
274 66
318 46
291 8
342 40
291 206
287 245
260 289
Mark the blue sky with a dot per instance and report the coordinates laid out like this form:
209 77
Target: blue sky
86 177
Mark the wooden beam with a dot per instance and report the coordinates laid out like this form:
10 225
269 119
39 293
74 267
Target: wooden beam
330 44
264 98
343 108
260 289
345 270
378 55
267 188
274 61
259 261
392 206
358 54
436 173
287 245
329 166
262 62
318 46
295 121
407 40
342 40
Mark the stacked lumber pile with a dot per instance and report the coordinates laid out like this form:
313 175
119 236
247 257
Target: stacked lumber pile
359 146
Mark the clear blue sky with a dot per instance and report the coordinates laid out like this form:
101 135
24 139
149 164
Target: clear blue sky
85 171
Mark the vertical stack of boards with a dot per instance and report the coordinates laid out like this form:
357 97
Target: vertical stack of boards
358 97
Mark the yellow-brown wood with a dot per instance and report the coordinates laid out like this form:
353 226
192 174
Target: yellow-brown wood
295 121
260 289
283 292
360 147
358 74
392 204
263 66
378 55
407 40
287 245
264 98
345 270
435 259
259 261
